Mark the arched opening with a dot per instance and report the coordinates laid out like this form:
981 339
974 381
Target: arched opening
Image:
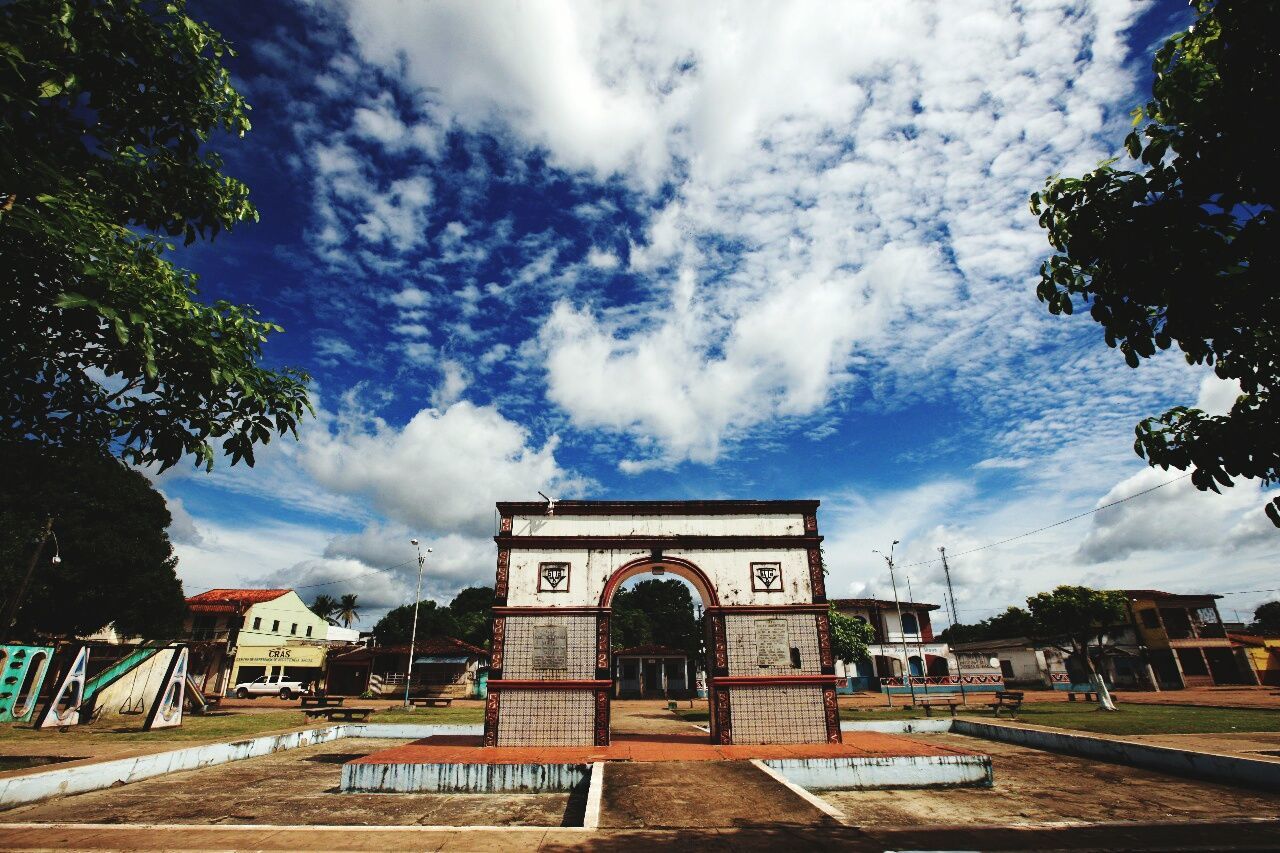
910 625
658 641
937 666
915 666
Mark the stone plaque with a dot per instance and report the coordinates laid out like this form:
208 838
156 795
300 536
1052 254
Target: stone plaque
550 647
772 646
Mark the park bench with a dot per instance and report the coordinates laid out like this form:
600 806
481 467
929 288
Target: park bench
1010 699
432 701
347 715
321 701
935 700
1089 695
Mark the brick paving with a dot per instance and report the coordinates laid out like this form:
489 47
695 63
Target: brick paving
461 749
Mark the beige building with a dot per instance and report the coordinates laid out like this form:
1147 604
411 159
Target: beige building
238 635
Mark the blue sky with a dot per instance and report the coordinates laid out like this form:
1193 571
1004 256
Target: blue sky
648 251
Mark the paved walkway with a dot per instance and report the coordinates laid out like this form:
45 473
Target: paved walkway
1210 697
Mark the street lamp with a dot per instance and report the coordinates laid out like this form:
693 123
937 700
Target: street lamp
906 655
413 635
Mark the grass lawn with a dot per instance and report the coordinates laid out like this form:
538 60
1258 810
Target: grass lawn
224 726
1129 720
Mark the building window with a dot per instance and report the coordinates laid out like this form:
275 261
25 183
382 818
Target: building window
308 630
275 626
294 629
909 624
1150 618
257 622
1192 662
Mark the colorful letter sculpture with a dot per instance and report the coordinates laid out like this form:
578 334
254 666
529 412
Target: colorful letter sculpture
64 703
166 710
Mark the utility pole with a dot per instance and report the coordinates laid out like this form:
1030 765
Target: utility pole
15 601
924 669
906 668
413 635
955 619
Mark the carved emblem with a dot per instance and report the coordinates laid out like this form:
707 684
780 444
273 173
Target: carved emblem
491 719
810 523
506 524
724 730
832 710
766 577
553 577
824 640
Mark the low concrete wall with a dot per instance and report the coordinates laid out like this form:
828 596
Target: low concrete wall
31 787
463 778
409 731
1233 770
851 774
897 727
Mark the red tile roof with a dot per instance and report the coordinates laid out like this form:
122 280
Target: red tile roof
872 603
652 651
232 600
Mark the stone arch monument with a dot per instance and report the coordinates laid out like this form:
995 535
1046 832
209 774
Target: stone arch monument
757 567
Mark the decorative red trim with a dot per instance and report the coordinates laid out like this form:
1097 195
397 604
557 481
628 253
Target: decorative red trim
747 609
568 571
754 577
650 543
602 645
491 719
831 709
810 522
706 589
602 718
504 562
824 640
729 507
816 581
550 611
719 643
499 643
770 680
723 717
506 523
549 684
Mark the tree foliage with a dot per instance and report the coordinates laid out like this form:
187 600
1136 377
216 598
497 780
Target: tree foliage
466 618
655 611
1078 620
106 109
1185 250
1013 622
109 522
1266 618
348 609
325 606
850 637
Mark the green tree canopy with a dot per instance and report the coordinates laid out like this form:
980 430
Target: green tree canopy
1077 619
109 523
850 637
1266 618
325 606
1185 250
397 626
655 611
1013 622
106 109
347 609
472 610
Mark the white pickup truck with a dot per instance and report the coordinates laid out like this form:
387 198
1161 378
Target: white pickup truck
272 685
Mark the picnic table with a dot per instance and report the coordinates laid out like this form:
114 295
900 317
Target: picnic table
1010 699
347 715
321 701
432 701
929 701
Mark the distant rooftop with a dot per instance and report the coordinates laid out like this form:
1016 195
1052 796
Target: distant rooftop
881 604
232 600
1157 594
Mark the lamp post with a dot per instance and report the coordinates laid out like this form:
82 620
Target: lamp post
906 663
413 634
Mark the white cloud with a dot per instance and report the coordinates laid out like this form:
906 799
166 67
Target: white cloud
443 470
1217 396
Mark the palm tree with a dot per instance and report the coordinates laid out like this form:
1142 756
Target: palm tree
325 606
348 610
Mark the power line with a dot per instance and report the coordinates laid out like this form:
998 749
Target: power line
347 580
1055 524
